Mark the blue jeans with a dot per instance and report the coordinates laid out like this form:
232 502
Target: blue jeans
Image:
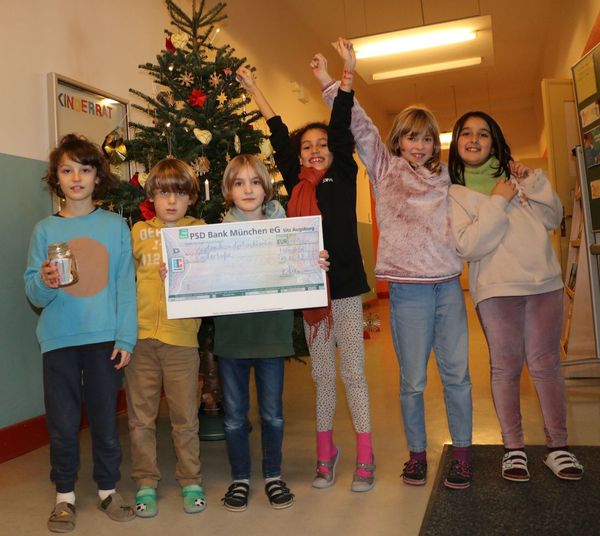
425 317
235 381
72 375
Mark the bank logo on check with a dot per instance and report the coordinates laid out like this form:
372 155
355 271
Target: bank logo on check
177 264
183 234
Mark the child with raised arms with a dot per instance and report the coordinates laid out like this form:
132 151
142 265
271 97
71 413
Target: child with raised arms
319 171
166 354
87 329
502 213
417 256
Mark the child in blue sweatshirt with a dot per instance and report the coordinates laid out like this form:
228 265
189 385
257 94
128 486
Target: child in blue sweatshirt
87 330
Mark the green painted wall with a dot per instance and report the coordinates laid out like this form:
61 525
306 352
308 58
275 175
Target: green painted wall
23 202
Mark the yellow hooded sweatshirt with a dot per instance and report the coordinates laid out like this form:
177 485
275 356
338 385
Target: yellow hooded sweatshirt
152 308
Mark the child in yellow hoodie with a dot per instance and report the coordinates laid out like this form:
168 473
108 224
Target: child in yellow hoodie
166 353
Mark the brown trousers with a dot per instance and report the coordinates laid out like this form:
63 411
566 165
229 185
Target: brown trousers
155 364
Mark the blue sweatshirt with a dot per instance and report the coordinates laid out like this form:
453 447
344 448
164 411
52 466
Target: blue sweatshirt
101 306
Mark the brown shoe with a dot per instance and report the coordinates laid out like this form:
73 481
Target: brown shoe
114 507
62 518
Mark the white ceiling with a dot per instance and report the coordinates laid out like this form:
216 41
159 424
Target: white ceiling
520 29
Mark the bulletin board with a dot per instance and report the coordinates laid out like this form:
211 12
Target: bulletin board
96 114
586 78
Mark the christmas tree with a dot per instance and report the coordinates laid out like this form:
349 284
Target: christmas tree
197 114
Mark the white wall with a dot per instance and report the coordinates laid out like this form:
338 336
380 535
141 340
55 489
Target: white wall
98 43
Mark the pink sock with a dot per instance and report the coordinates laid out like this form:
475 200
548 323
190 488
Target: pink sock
325 448
420 456
462 454
364 452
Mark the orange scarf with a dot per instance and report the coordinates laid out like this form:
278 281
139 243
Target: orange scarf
303 202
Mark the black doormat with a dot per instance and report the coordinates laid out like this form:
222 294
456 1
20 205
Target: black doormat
544 506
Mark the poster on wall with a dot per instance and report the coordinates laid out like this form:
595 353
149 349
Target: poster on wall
98 115
591 147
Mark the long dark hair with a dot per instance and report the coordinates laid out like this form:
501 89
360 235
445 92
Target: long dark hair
500 149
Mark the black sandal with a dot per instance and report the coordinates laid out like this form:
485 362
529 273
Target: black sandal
236 498
279 494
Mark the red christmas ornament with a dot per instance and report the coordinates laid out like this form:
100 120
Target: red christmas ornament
135 181
169 44
227 71
197 98
147 209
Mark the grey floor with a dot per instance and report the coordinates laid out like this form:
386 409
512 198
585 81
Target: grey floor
391 508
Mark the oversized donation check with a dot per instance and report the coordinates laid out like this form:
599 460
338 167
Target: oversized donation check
243 267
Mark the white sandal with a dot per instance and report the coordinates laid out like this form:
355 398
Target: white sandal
514 466
564 465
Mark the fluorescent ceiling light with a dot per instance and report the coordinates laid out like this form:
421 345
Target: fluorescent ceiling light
445 139
428 68
382 46
420 47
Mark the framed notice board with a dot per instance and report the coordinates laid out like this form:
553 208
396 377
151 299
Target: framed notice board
586 77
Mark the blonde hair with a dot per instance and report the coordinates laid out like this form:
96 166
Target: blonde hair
239 162
172 175
417 120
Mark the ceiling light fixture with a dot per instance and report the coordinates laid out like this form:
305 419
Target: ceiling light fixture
429 48
427 68
387 44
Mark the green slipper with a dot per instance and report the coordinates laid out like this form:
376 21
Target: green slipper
146 503
194 499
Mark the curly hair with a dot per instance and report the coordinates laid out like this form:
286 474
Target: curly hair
296 135
80 149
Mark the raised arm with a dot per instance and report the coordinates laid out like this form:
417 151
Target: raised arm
285 156
371 148
346 51
245 77
340 139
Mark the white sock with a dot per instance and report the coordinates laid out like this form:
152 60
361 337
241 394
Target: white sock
103 493
66 497
271 478
244 480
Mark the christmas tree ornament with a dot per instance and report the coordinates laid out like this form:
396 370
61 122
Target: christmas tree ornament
114 148
142 178
266 149
135 180
147 209
203 136
186 79
237 144
179 40
197 98
228 157
214 79
221 99
371 322
169 44
227 71
201 165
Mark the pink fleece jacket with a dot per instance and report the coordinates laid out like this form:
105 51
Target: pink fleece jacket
416 244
